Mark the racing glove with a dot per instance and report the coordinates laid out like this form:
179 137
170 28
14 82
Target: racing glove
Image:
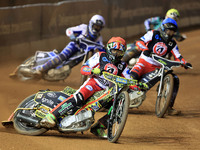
147 53
74 39
187 65
96 71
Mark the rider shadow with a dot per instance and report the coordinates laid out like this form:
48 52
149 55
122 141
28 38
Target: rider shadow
74 135
190 114
78 135
158 140
8 130
141 112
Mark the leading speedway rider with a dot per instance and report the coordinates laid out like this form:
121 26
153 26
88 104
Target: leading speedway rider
91 32
109 61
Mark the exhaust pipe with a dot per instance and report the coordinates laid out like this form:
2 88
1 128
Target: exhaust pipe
27 119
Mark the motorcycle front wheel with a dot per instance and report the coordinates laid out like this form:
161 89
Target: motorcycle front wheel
163 101
118 117
22 118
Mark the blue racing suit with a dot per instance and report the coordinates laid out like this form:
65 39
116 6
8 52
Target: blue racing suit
80 31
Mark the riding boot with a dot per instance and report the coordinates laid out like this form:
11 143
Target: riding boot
172 111
99 128
49 120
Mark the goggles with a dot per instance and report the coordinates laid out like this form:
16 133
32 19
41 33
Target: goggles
117 46
169 32
96 27
117 52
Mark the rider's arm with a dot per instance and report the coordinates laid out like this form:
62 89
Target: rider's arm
90 64
76 31
179 37
177 56
147 23
152 23
141 44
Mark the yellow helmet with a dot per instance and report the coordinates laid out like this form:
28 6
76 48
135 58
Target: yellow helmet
172 13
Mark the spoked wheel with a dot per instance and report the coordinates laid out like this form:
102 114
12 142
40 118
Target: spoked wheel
24 77
118 117
27 63
26 127
163 101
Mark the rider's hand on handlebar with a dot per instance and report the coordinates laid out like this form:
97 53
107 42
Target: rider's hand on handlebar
96 71
74 39
187 65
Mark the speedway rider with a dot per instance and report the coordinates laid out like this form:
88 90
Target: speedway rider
153 23
91 32
109 61
160 42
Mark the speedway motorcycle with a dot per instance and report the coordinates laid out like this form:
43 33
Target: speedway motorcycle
24 71
167 88
26 118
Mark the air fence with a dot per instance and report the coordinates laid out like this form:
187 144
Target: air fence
27 28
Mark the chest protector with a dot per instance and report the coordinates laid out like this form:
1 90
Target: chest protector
159 46
108 66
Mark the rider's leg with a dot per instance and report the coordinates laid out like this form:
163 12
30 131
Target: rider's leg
99 128
171 110
85 91
65 54
50 119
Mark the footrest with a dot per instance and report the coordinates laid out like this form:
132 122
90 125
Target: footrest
7 124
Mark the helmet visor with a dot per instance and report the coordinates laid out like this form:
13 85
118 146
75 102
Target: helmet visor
170 26
169 32
117 46
97 28
116 52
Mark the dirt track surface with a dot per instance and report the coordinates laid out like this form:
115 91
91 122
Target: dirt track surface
143 130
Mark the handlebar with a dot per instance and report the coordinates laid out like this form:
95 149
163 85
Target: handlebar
89 42
124 81
89 45
168 64
186 66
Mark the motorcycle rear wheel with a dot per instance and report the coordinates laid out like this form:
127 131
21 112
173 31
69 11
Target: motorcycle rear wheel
23 127
27 62
120 114
162 102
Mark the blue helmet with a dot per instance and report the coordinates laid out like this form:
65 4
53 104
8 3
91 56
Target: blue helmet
168 24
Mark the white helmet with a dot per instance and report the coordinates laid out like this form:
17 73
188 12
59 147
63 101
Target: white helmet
96 24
